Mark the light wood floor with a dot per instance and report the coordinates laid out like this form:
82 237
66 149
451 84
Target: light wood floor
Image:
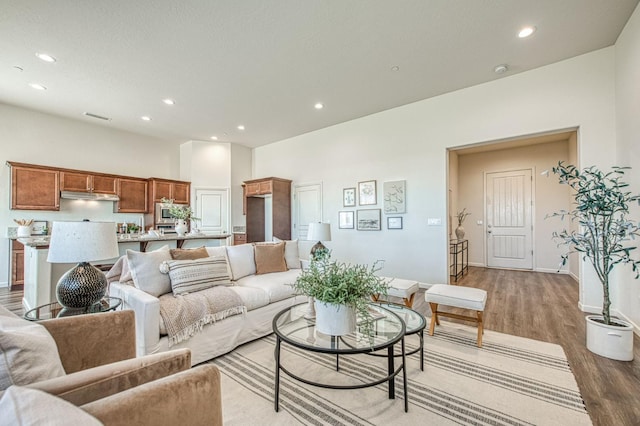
542 307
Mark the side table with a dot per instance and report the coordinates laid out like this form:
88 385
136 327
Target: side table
459 252
55 310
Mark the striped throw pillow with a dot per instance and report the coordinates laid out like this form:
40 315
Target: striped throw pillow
188 276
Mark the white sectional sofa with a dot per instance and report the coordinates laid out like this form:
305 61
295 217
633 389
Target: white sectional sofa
262 293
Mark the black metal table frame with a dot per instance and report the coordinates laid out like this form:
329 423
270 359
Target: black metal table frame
392 372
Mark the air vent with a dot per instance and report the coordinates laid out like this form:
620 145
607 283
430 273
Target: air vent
99 117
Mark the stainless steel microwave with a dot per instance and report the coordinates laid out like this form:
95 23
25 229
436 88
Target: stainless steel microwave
163 216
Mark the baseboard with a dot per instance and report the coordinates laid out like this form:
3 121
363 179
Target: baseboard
597 310
478 265
551 271
4 284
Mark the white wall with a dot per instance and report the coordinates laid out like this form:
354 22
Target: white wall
31 137
626 291
410 143
241 161
549 197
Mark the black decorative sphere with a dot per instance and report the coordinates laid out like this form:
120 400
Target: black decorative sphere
81 287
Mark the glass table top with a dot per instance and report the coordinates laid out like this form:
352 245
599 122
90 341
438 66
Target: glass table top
292 327
55 310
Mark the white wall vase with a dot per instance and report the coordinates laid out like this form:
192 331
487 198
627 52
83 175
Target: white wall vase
610 341
181 227
335 320
23 231
459 232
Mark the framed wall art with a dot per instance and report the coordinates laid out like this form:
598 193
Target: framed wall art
394 197
345 220
369 219
394 222
367 193
349 197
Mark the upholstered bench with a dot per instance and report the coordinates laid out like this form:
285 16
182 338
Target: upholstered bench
458 297
404 289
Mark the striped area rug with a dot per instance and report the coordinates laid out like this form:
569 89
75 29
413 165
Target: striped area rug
509 381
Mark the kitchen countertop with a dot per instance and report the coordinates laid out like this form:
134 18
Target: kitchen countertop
43 240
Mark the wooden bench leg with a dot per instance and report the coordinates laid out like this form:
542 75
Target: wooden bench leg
434 318
375 297
480 329
409 302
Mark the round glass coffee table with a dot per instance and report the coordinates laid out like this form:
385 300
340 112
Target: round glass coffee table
56 310
292 328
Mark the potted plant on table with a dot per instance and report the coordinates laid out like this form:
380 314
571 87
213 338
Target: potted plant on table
600 211
341 292
182 214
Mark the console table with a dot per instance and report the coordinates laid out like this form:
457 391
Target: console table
459 252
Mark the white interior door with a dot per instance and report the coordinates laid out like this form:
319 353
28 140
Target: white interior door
509 223
307 201
212 207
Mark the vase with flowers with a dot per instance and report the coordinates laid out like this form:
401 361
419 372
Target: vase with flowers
182 215
461 215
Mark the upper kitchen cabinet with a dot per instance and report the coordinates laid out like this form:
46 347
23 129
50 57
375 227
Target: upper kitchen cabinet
262 187
133 195
176 190
85 182
34 187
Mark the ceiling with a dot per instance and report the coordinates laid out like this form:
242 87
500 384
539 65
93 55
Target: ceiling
264 64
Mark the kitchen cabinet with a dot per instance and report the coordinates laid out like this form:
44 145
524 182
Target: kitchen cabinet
239 239
133 195
34 187
17 264
268 209
85 182
178 191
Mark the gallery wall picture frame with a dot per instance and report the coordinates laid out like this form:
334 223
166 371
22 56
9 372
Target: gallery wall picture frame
394 222
345 220
349 197
367 193
369 219
394 197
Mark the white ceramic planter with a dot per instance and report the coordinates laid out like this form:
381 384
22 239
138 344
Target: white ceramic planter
23 231
610 341
181 227
335 320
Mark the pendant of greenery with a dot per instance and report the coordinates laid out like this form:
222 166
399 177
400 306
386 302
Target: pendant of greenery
601 206
342 284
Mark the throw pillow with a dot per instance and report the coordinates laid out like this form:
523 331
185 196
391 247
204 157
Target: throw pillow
241 260
217 251
270 258
145 273
189 254
188 276
291 253
22 406
28 353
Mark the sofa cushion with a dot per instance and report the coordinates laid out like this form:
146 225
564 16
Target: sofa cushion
277 285
145 270
291 253
252 297
241 260
22 406
188 276
189 254
28 353
270 258
217 251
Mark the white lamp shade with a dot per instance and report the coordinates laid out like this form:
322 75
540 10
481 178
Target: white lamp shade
319 232
75 242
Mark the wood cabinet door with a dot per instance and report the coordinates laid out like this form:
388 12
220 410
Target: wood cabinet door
104 184
34 189
77 182
265 187
161 190
181 193
133 196
17 263
252 189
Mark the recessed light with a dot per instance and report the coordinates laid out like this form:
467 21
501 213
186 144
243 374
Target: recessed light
169 101
37 86
241 127
526 32
501 69
214 138
395 68
46 57
319 105
146 118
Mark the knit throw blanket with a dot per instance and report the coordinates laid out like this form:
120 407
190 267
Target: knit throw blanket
185 315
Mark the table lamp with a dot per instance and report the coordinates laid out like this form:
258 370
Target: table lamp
82 242
318 232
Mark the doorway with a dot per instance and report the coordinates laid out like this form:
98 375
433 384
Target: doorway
212 208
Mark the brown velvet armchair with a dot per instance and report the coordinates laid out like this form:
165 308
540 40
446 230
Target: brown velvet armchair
106 380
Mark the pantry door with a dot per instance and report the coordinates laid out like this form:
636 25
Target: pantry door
509 219
212 208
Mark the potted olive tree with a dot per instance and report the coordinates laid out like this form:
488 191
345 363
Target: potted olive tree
340 291
600 210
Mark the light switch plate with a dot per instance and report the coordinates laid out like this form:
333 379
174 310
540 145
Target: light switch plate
434 221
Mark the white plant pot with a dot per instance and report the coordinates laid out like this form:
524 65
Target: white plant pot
181 227
335 320
23 231
610 341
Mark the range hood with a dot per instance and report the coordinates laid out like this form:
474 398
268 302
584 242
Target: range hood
71 195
